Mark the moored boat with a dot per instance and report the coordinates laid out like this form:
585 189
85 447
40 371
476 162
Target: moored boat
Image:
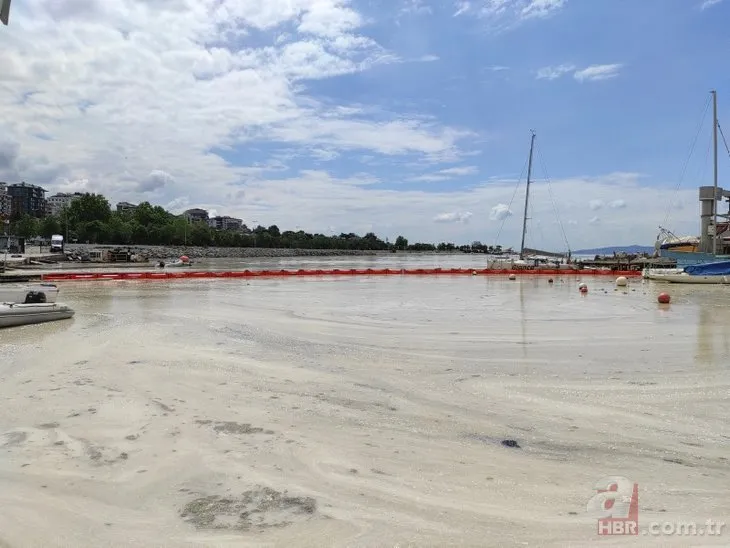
713 244
184 260
15 314
709 273
28 293
684 278
178 263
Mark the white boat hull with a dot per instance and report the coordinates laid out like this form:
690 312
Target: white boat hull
178 264
684 278
651 273
18 293
13 315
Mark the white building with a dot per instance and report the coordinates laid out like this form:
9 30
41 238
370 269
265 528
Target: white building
56 203
196 215
5 202
123 207
225 223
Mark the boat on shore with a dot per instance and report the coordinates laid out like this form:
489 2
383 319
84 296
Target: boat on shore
28 293
178 264
706 273
713 243
182 261
17 314
534 259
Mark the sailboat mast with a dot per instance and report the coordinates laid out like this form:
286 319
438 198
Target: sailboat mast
527 196
714 146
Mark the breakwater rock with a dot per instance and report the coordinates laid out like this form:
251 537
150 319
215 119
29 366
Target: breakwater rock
173 252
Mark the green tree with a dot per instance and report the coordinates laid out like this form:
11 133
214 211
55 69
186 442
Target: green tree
88 208
90 218
27 226
49 226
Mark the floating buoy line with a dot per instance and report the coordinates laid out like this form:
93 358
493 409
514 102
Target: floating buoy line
199 275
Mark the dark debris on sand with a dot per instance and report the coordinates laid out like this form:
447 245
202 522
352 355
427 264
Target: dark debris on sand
258 509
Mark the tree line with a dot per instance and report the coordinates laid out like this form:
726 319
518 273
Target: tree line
90 219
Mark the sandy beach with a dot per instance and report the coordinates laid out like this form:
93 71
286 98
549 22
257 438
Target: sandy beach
362 412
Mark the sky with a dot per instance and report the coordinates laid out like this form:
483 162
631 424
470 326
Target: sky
401 117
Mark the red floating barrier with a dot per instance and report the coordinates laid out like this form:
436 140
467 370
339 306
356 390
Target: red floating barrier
107 276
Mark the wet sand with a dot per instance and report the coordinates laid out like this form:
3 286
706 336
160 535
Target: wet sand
362 412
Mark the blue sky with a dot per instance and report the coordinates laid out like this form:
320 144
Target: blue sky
403 117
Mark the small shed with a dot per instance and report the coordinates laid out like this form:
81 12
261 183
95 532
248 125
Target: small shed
13 244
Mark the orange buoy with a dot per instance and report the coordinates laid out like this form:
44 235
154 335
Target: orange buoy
664 298
184 258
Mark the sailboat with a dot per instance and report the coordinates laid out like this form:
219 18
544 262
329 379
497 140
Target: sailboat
536 257
711 246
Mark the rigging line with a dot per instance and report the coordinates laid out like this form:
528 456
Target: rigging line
723 138
686 162
703 169
552 199
701 172
509 206
535 228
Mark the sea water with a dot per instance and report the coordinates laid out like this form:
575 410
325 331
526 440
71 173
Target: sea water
362 411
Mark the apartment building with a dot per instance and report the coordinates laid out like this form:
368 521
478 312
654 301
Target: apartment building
27 199
225 223
123 207
58 202
196 215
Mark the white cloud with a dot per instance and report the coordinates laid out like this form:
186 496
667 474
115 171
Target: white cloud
551 73
541 8
709 3
316 200
454 217
459 171
324 154
462 7
617 204
594 220
592 73
446 174
151 100
416 7
99 95
156 180
500 212
509 13
595 205
596 73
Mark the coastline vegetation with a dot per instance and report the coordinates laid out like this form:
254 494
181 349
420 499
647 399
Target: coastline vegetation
90 219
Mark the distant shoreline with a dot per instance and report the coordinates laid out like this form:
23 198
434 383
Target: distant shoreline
164 252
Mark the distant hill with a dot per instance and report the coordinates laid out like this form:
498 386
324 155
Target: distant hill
618 249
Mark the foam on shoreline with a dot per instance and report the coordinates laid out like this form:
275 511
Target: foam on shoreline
360 412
